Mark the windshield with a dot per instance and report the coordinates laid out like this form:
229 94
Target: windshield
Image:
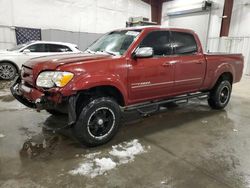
18 47
114 43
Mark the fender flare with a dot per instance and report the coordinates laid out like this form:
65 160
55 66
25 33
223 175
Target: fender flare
221 69
90 81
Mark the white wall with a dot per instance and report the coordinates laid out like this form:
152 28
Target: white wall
240 19
96 16
91 16
198 21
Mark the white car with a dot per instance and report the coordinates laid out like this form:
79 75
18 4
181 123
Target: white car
11 60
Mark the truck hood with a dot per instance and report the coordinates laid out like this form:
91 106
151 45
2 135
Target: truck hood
52 62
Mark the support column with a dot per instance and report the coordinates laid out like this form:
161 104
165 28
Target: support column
156 9
227 13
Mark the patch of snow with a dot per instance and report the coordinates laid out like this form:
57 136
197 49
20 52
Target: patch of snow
127 151
2 135
95 168
92 155
83 169
104 164
95 165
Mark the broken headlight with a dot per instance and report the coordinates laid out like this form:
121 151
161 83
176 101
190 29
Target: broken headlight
49 79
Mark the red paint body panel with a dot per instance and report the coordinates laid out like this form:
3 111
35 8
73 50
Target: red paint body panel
138 80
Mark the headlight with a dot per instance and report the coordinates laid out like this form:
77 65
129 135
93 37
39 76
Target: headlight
49 79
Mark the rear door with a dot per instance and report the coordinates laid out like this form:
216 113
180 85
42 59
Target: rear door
190 64
152 77
57 49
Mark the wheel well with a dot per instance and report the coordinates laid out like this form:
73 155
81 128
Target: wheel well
225 76
6 61
104 91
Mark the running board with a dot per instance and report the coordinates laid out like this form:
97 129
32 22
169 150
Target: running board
199 95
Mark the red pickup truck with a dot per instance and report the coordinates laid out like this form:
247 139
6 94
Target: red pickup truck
133 68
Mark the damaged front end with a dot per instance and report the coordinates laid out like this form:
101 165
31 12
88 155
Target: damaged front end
36 99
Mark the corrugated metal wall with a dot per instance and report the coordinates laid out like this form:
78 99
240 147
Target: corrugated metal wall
232 45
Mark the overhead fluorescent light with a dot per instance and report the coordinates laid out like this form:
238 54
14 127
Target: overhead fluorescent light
193 8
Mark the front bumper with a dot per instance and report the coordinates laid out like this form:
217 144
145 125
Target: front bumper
31 97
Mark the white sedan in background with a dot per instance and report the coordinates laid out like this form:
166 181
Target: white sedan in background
11 60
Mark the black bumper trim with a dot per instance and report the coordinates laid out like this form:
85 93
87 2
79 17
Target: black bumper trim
14 91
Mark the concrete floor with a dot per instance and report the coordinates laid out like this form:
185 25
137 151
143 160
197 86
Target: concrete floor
188 145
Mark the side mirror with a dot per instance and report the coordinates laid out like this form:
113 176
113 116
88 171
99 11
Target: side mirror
144 52
26 51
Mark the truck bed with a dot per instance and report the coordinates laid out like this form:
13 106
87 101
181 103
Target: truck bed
219 62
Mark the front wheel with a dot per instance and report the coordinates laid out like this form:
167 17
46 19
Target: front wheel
7 71
98 121
220 95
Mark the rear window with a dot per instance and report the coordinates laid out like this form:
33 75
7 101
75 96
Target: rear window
184 43
58 48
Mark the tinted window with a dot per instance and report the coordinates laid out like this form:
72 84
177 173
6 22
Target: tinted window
58 48
159 41
37 48
184 43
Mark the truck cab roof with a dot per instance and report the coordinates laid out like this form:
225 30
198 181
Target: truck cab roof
157 27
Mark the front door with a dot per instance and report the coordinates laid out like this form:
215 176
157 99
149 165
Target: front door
152 77
35 50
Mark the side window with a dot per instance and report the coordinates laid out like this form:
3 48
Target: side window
36 48
184 43
58 48
159 41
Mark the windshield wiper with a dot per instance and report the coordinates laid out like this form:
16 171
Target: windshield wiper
108 52
89 51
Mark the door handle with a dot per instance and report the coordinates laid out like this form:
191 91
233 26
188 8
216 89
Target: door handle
168 64
199 62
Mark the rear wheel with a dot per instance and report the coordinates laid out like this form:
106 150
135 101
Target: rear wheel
98 121
220 95
7 71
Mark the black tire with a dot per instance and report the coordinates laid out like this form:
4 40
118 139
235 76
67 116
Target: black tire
7 71
54 112
98 121
220 95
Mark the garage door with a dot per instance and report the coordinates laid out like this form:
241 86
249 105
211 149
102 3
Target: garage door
196 21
